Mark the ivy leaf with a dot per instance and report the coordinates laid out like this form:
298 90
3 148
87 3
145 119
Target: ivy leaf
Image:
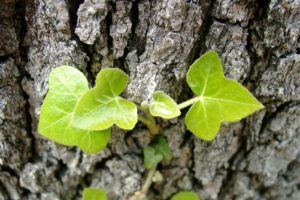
151 158
161 147
101 107
157 152
218 98
66 85
163 106
185 196
94 194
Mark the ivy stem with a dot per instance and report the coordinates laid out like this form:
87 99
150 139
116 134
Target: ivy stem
142 194
150 125
148 181
148 119
189 102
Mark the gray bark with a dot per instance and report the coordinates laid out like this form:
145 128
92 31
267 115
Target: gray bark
155 42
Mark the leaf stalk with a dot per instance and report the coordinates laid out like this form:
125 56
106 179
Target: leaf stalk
148 119
189 102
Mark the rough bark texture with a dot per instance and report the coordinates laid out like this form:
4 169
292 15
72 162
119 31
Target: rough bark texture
155 41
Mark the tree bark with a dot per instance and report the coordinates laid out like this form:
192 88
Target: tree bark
154 41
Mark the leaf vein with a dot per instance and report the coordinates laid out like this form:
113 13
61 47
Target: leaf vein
230 101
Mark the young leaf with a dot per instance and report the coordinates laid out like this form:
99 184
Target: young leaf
101 107
157 152
163 106
218 98
185 196
66 85
151 158
161 147
94 194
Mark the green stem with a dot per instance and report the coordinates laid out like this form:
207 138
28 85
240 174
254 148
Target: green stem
142 194
189 102
148 181
148 119
150 125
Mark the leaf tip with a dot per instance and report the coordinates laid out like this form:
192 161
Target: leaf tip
211 53
205 136
261 106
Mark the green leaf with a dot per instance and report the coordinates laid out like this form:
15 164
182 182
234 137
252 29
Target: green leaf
163 106
66 85
185 196
218 98
101 107
156 152
94 194
161 147
151 158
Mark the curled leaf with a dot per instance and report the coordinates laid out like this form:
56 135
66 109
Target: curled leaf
163 106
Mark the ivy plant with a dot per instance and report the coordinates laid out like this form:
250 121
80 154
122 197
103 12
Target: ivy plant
153 154
74 115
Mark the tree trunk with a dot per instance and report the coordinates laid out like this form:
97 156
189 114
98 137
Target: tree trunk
154 41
